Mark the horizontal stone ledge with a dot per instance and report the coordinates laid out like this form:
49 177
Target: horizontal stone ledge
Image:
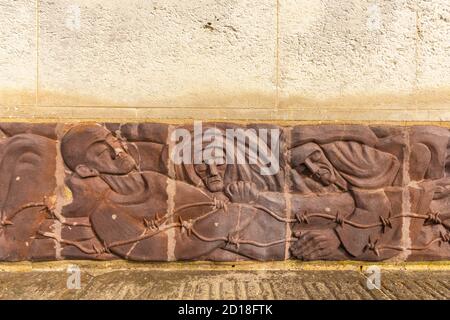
279 116
432 104
290 265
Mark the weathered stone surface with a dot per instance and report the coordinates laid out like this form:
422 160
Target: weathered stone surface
171 53
163 283
118 191
18 51
330 49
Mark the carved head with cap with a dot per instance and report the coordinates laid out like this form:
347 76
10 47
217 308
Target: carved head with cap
91 150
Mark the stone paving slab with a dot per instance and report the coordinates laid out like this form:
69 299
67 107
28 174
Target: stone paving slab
158 283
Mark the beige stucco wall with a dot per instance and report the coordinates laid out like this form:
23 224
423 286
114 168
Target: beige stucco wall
225 59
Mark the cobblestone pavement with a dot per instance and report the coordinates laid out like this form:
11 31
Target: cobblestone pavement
173 283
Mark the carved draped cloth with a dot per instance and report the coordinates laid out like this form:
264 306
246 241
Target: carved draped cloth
360 165
351 152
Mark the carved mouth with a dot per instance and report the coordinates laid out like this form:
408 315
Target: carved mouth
214 180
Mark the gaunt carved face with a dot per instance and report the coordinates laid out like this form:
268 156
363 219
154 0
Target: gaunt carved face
212 174
109 156
319 167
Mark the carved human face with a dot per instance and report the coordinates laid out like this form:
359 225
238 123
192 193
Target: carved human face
109 156
212 174
319 167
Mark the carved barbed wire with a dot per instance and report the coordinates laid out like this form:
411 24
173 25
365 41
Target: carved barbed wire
235 240
433 217
215 204
46 207
185 225
64 222
5 220
373 245
145 236
158 225
72 243
188 227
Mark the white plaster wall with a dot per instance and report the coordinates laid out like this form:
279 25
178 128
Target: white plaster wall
227 59
18 65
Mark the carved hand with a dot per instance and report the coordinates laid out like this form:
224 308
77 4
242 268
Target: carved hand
242 192
442 188
316 244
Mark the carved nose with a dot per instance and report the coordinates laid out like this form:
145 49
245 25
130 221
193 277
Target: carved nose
213 170
311 166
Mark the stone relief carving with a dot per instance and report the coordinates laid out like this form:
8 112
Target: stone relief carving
114 191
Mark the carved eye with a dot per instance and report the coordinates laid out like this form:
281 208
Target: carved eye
110 151
218 162
112 154
201 167
103 150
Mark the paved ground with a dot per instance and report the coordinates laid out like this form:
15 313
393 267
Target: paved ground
224 282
